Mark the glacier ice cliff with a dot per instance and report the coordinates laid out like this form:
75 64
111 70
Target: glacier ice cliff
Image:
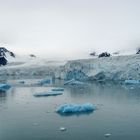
97 69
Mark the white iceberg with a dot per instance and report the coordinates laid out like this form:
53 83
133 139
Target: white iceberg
76 108
49 93
4 87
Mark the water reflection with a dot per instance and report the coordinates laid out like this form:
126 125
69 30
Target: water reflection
117 113
76 114
3 96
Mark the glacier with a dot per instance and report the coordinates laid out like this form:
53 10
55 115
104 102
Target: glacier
116 68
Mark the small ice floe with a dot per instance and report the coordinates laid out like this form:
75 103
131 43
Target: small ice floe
131 87
132 82
4 87
76 108
62 128
73 82
49 93
107 135
57 89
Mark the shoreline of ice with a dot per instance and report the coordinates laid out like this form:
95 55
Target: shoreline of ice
114 68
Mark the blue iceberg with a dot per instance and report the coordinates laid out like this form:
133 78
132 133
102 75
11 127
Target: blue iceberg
73 82
4 87
75 108
49 93
58 89
132 81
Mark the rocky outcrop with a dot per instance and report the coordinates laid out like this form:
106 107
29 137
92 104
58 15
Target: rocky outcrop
104 54
3 55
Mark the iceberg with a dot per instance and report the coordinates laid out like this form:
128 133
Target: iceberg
75 108
132 81
4 87
58 89
49 93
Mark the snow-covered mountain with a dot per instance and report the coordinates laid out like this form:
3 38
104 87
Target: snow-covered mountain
7 53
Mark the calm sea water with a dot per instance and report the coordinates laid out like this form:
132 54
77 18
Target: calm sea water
25 117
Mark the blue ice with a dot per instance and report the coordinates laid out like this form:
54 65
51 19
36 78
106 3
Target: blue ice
4 87
73 82
76 108
132 81
49 93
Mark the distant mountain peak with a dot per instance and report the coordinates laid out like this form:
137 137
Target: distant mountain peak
3 55
4 51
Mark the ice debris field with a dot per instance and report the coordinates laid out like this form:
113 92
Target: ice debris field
64 108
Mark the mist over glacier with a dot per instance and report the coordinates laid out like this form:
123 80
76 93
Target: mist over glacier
69 29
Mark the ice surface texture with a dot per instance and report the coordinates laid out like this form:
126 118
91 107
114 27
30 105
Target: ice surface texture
76 108
73 82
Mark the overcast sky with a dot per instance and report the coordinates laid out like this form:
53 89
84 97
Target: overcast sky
69 28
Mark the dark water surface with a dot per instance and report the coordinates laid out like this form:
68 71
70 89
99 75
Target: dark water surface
25 117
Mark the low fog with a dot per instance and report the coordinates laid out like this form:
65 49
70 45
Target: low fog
69 28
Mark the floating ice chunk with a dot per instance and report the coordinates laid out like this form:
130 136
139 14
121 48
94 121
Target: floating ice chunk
76 108
58 89
107 135
63 129
73 82
132 81
49 93
4 87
